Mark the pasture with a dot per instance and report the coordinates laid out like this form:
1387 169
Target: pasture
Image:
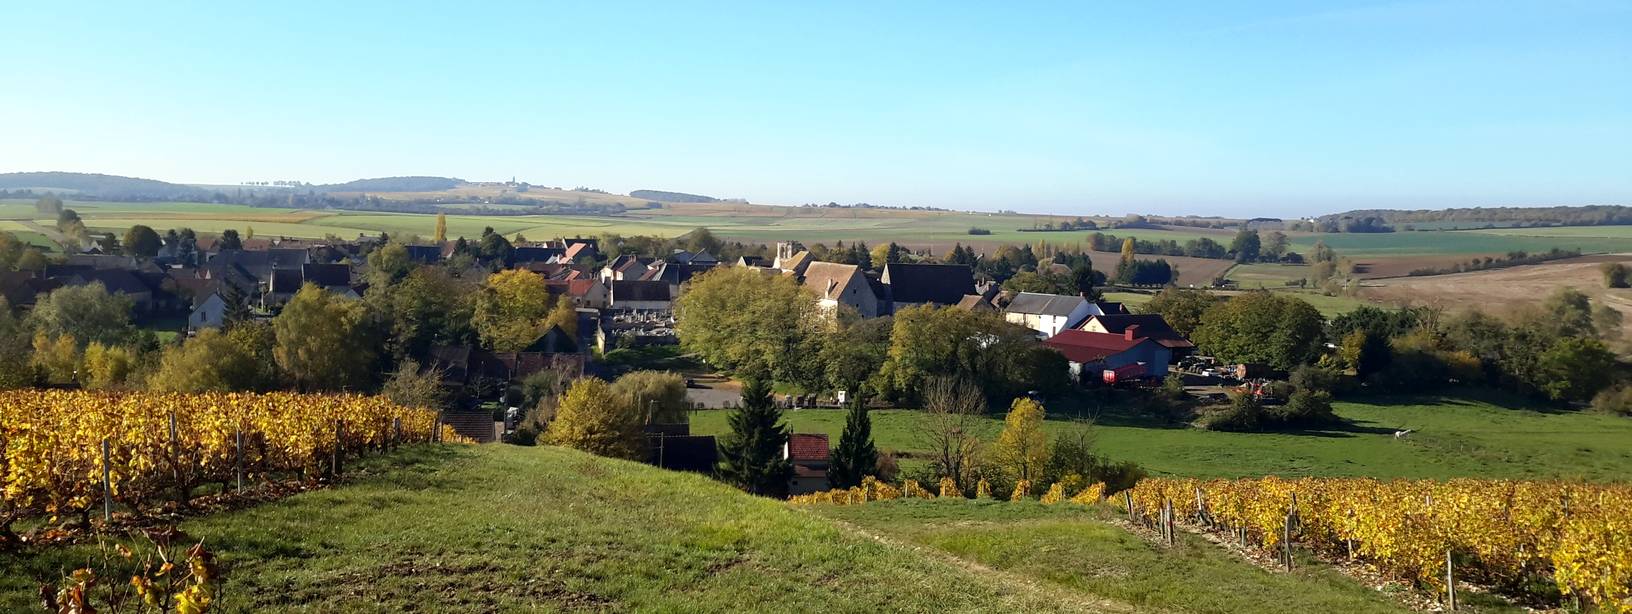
1472 435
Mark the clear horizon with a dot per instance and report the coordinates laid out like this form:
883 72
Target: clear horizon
1275 109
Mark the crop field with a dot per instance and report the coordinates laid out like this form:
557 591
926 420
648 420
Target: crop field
1469 436
1500 290
1267 275
1380 254
1602 232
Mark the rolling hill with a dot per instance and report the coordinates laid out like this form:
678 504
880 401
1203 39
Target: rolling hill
113 187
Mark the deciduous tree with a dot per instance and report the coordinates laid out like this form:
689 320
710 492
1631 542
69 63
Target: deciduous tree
511 309
1022 449
319 342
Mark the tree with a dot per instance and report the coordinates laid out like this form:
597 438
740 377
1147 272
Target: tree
142 242
564 316
855 457
56 358
1275 246
412 386
980 347
48 205
441 228
319 342
1125 262
106 367
1617 275
1262 327
658 397
493 246
1084 279
751 455
953 428
1364 352
1022 449
230 240
701 240
854 353
1575 369
511 308
85 314
1246 245
1043 283
187 246
735 317
429 307
11 249
1182 308
237 359
592 418
15 345
388 264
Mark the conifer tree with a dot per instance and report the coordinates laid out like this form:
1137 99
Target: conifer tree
855 458
751 455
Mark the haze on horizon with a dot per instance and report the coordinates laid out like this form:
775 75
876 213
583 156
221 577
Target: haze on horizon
1276 109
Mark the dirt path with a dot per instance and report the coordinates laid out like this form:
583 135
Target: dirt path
50 233
1067 599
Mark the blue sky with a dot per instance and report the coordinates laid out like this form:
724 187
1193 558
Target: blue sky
1270 108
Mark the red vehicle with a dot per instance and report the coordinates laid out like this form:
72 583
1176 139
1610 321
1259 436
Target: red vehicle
1125 374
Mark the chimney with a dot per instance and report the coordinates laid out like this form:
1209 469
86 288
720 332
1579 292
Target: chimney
1131 332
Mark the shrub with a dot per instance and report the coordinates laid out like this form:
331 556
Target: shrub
1304 408
979 231
1021 489
949 488
1617 275
1244 413
593 419
983 489
1616 400
1055 494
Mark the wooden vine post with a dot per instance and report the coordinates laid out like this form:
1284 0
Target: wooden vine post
107 485
339 437
238 458
1450 583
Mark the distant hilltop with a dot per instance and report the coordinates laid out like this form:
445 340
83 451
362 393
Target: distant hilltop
94 185
395 184
672 197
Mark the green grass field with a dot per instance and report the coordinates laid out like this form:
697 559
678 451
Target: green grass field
505 528
1271 276
1073 548
1468 436
1606 232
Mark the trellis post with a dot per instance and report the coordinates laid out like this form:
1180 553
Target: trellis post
107 485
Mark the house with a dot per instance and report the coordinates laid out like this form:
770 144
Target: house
754 261
482 371
1048 314
841 284
144 294
1146 325
577 249
1090 354
927 284
209 313
625 267
335 277
524 255
676 274
425 254
808 453
590 293
640 295
681 256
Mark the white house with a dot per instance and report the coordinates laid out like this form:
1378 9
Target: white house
1048 314
209 313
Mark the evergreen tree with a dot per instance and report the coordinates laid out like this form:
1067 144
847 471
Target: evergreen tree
855 458
751 455
237 307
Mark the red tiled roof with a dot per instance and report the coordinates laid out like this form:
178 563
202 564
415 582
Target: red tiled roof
1083 347
807 447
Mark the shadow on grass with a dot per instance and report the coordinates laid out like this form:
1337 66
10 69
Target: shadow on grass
1462 397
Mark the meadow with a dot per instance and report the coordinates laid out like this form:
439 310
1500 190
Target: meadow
500 528
1470 435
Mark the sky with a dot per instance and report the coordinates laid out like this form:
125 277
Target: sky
1206 108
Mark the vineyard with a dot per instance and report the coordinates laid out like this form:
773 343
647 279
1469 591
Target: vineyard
1506 534
69 454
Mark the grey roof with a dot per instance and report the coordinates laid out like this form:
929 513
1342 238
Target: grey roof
1044 304
944 284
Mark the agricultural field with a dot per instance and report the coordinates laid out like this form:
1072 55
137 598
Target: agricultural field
1267 275
1501 290
1467 436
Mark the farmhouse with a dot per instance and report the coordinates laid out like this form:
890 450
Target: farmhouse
639 295
1148 325
841 284
1048 314
1091 353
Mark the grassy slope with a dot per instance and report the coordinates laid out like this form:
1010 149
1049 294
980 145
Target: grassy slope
1455 437
1074 548
505 528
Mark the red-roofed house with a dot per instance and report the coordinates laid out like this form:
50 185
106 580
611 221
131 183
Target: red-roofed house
808 454
1091 354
